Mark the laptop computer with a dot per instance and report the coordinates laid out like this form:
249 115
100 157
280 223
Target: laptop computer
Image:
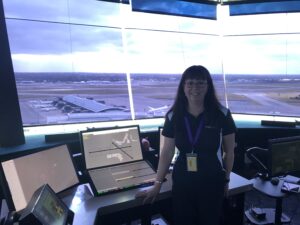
114 159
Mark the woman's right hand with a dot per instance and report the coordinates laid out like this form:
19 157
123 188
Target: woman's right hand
150 194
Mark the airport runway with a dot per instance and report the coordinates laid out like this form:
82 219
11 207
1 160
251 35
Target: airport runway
255 97
262 99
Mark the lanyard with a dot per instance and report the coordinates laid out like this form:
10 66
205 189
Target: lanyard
193 140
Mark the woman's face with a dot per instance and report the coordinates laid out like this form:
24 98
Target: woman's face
195 90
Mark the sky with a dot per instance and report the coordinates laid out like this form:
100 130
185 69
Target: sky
89 35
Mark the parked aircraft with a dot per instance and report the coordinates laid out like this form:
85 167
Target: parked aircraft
160 111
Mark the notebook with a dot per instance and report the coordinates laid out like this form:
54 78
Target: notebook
290 187
114 159
292 179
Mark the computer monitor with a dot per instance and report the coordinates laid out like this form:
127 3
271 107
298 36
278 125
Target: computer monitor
284 156
24 175
161 143
45 208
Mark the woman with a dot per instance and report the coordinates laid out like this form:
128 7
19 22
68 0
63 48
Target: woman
204 132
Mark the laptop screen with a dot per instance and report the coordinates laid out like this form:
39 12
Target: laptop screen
121 177
111 146
24 175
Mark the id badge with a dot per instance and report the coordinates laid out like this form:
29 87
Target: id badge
191 161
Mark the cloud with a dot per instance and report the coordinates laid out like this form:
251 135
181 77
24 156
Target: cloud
55 10
89 35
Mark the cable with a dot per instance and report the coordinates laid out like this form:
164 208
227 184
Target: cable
255 147
251 155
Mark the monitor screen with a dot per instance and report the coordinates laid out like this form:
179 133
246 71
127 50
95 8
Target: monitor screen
25 174
284 155
161 143
49 209
189 8
111 146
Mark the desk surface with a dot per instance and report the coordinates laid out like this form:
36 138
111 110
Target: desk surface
269 189
85 206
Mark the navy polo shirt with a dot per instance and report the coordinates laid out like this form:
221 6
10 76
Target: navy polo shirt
209 143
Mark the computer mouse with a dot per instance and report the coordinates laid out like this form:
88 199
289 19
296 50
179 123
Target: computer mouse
275 180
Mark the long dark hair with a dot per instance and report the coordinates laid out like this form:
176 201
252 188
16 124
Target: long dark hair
211 102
